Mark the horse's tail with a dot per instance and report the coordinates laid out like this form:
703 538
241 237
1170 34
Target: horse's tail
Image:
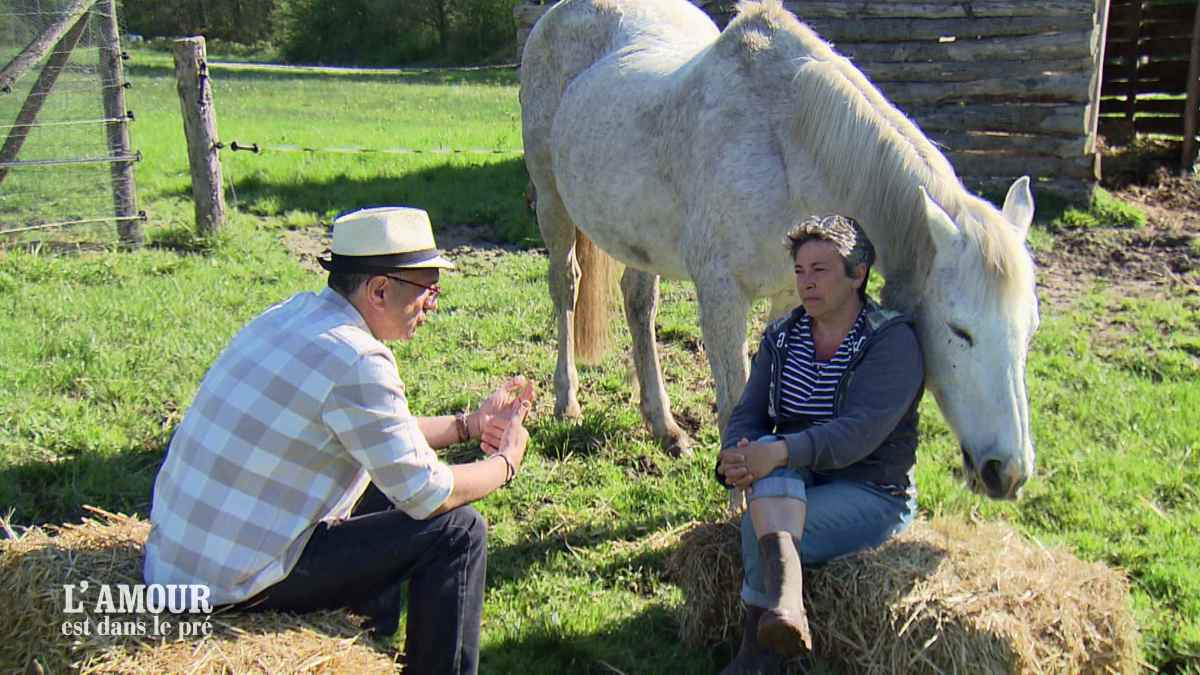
597 275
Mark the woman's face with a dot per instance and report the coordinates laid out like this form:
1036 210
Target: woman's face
821 280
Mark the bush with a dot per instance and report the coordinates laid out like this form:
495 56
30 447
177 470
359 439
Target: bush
240 21
379 32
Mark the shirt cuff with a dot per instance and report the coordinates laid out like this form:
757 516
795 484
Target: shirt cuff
800 450
431 497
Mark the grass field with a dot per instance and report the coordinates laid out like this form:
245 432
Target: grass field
102 353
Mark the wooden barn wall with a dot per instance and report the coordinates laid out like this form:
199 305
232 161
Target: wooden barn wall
1005 87
1146 68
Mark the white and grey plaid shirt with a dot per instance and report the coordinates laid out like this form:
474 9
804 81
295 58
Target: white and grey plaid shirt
299 413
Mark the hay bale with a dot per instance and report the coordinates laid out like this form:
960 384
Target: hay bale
35 566
946 596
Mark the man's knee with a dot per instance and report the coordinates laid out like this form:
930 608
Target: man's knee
468 521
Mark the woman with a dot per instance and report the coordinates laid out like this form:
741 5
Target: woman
832 401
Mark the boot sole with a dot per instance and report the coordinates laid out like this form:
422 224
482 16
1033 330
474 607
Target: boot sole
784 634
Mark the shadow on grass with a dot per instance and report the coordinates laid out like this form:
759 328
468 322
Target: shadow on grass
54 492
645 643
490 193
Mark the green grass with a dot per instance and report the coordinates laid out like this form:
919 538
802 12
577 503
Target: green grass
1105 210
102 353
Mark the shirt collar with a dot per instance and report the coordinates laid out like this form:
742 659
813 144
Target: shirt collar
344 306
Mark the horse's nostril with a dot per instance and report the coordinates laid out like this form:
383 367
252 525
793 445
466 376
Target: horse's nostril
993 477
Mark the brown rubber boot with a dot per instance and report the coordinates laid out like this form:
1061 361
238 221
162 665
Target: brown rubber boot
752 658
783 627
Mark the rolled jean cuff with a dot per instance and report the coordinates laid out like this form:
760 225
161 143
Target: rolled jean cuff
781 483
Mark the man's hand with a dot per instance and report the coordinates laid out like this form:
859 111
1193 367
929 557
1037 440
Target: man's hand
746 463
490 421
515 437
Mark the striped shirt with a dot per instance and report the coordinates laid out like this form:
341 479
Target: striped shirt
806 385
300 412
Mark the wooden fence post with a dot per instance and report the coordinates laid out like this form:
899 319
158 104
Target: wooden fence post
112 70
1193 100
200 127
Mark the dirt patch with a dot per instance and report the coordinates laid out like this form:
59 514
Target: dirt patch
458 241
1161 259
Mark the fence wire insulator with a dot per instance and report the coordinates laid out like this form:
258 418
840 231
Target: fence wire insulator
253 147
129 115
218 145
127 85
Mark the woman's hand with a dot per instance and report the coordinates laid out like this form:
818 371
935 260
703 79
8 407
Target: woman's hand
490 421
746 463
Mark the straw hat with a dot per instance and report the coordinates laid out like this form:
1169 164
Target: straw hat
382 239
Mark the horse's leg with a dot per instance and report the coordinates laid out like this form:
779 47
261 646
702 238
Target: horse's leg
559 234
640 290
723 309
783 302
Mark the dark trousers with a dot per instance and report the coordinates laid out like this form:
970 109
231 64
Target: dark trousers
362 562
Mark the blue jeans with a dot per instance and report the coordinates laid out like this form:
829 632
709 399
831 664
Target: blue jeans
364 562
844 517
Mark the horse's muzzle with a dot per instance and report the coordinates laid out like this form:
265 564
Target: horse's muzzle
994 477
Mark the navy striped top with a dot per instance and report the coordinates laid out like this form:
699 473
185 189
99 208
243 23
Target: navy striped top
806 385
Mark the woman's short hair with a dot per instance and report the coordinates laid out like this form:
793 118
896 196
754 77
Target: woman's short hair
843 232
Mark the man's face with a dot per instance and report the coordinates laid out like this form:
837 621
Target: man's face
411 295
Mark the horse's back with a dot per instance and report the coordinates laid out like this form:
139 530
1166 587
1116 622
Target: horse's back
574 35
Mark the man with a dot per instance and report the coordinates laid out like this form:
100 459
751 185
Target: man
299 480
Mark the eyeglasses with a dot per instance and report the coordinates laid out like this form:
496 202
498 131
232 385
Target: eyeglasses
434 290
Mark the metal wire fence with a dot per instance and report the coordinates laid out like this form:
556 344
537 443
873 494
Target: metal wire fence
59 174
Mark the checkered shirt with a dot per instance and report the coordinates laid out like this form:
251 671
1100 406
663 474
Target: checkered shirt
300 412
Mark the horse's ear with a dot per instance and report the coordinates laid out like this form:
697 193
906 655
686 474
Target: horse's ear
1018 206
941 226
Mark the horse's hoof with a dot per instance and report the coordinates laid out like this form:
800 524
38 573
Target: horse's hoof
678 445
569 411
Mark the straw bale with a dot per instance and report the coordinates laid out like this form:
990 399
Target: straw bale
945 596
107 549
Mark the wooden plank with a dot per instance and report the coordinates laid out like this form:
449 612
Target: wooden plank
1074 190
37 96
997 164
1124 32
41 44
1099 41
1058 120
200 129
1027 144
1037 47
1187 159
1145 106
928 9
965 71
1159 125
1046 88
112 70
1115 128
904 30
1170 13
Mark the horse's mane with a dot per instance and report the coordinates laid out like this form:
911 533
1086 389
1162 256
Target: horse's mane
874 156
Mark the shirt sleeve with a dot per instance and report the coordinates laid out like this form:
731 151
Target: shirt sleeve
882 390
368 412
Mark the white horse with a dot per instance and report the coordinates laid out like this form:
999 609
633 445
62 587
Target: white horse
687 153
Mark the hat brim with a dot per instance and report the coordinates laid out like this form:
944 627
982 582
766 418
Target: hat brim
382 264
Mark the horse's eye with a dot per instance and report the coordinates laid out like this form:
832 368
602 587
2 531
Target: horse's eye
962 335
